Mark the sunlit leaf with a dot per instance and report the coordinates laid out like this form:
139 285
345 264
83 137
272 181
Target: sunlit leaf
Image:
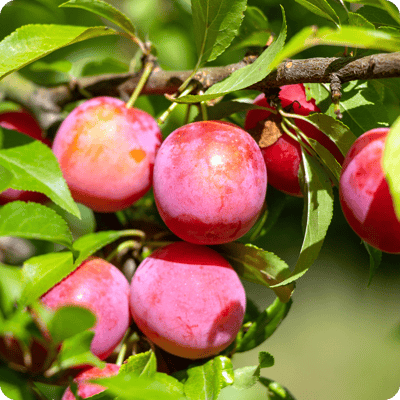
32 42
320 8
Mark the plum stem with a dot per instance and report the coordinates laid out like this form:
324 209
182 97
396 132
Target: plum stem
142 81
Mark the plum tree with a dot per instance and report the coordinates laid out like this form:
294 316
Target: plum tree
283 157
209 182
104 290
188 300
85 389
106 152
23 122
364 193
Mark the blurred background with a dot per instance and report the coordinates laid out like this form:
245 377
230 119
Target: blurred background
341 339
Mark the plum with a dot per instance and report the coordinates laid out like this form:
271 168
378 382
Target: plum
23 122
364 193
103 289
85 389
283 157
188 300
209 182
106 152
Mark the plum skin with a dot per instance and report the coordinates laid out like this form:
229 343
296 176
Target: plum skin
23 122
364 193
209 182
283 157
106 152
85 389
188 300
103 289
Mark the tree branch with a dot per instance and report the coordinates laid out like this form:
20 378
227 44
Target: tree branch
314 70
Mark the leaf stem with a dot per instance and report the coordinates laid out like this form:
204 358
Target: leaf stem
143 79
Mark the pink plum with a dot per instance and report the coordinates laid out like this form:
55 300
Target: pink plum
188 300
209 182
103 289
85 389
283 157
106 152
364 193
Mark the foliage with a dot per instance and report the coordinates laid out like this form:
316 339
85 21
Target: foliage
45 46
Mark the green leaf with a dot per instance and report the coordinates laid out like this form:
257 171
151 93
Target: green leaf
159 386
391 164
246 377
104 10
389 7
358 20
375 259
89 244
257 265
75 351
14 385
376 16
104 66
63 66
6 178
69 321
318 208
34 221
264 326
142 364
255 72
10 288
32 42
41 273
275 390
216 23
320 8
36 168
254 31
205 381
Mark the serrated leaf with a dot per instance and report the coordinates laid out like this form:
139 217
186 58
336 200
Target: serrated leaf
375 259
32 42
104 10
34 221
41 273
36 168
358 20
264 326
159 386
389 7
14 385
376 16
75 351
391 164
88 244
142 364
246 377
318 209
320 8
257 265
69 321
255 72
204 382
216 23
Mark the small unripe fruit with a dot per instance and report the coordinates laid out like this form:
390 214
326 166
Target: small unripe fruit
106 152
283 157
85 389
188 300
23 122
209 182
104 290
364 193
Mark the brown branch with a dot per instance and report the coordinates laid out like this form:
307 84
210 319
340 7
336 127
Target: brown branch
314 70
